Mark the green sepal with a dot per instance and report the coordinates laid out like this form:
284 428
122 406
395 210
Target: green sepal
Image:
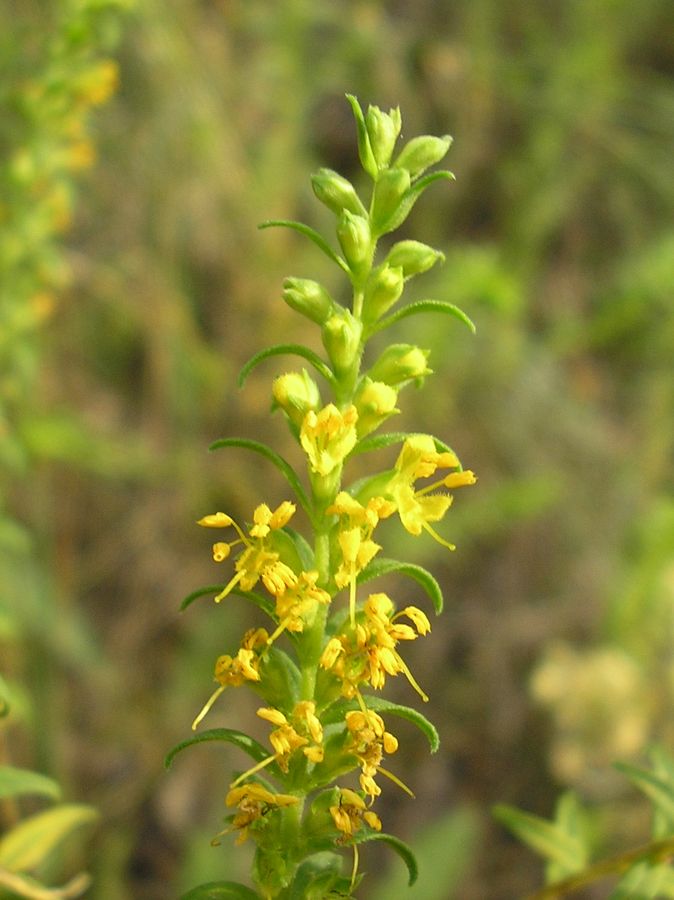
563 848
33 840
658 789
281 464
317 876
312 234
338 710
287 349
381 566
229 736
403 850
262 602
305 553
423 306
19 782
279 683
221 890
411 196
390 193
368 162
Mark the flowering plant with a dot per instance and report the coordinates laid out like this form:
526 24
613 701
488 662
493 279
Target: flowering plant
299 802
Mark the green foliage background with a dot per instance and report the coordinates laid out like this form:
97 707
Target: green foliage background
560 245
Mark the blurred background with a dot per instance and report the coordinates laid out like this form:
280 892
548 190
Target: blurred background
134 286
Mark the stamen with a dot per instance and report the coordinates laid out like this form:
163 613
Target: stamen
209 703
354 871
433 533
395 780
410 677
256 768
229 586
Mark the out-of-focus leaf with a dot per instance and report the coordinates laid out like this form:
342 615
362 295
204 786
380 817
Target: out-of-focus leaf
221 890
660 790
16 782
33 840
546 838
25 886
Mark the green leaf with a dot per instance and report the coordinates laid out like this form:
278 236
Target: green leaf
403 850
337 711
313 235
411 196
17 782
221 890
283 349
379 567
365 153
659 790
35 839
316 876
302 548
248 744
258 600
546 838
423 306
284 467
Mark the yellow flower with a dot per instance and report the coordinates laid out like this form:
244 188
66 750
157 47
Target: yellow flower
233 671
303 729
328 437
351 812
258 561
253 801
417 508
366 653
369 740
297 606
354 538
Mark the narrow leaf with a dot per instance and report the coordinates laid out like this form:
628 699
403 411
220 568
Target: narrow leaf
313 235
18 782
337 711
248 744
25 886
33 840
364 148
284 467
221 890
302 547
543 836
410 198
393 437
213 590
423 306
287 349
5 695
403 850
660 791
379 567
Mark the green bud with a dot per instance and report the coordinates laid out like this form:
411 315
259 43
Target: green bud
353 232
422 152
341 339
400 363
309 298
413 257
383 130
382 290
336 192
375 402
365 153
296 394
389 191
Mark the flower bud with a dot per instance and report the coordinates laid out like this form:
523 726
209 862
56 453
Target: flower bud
422 152
413 257
400 363
309 298
375 402
353 232
341 339
389 191
336 192
382 290
383 130
296 393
